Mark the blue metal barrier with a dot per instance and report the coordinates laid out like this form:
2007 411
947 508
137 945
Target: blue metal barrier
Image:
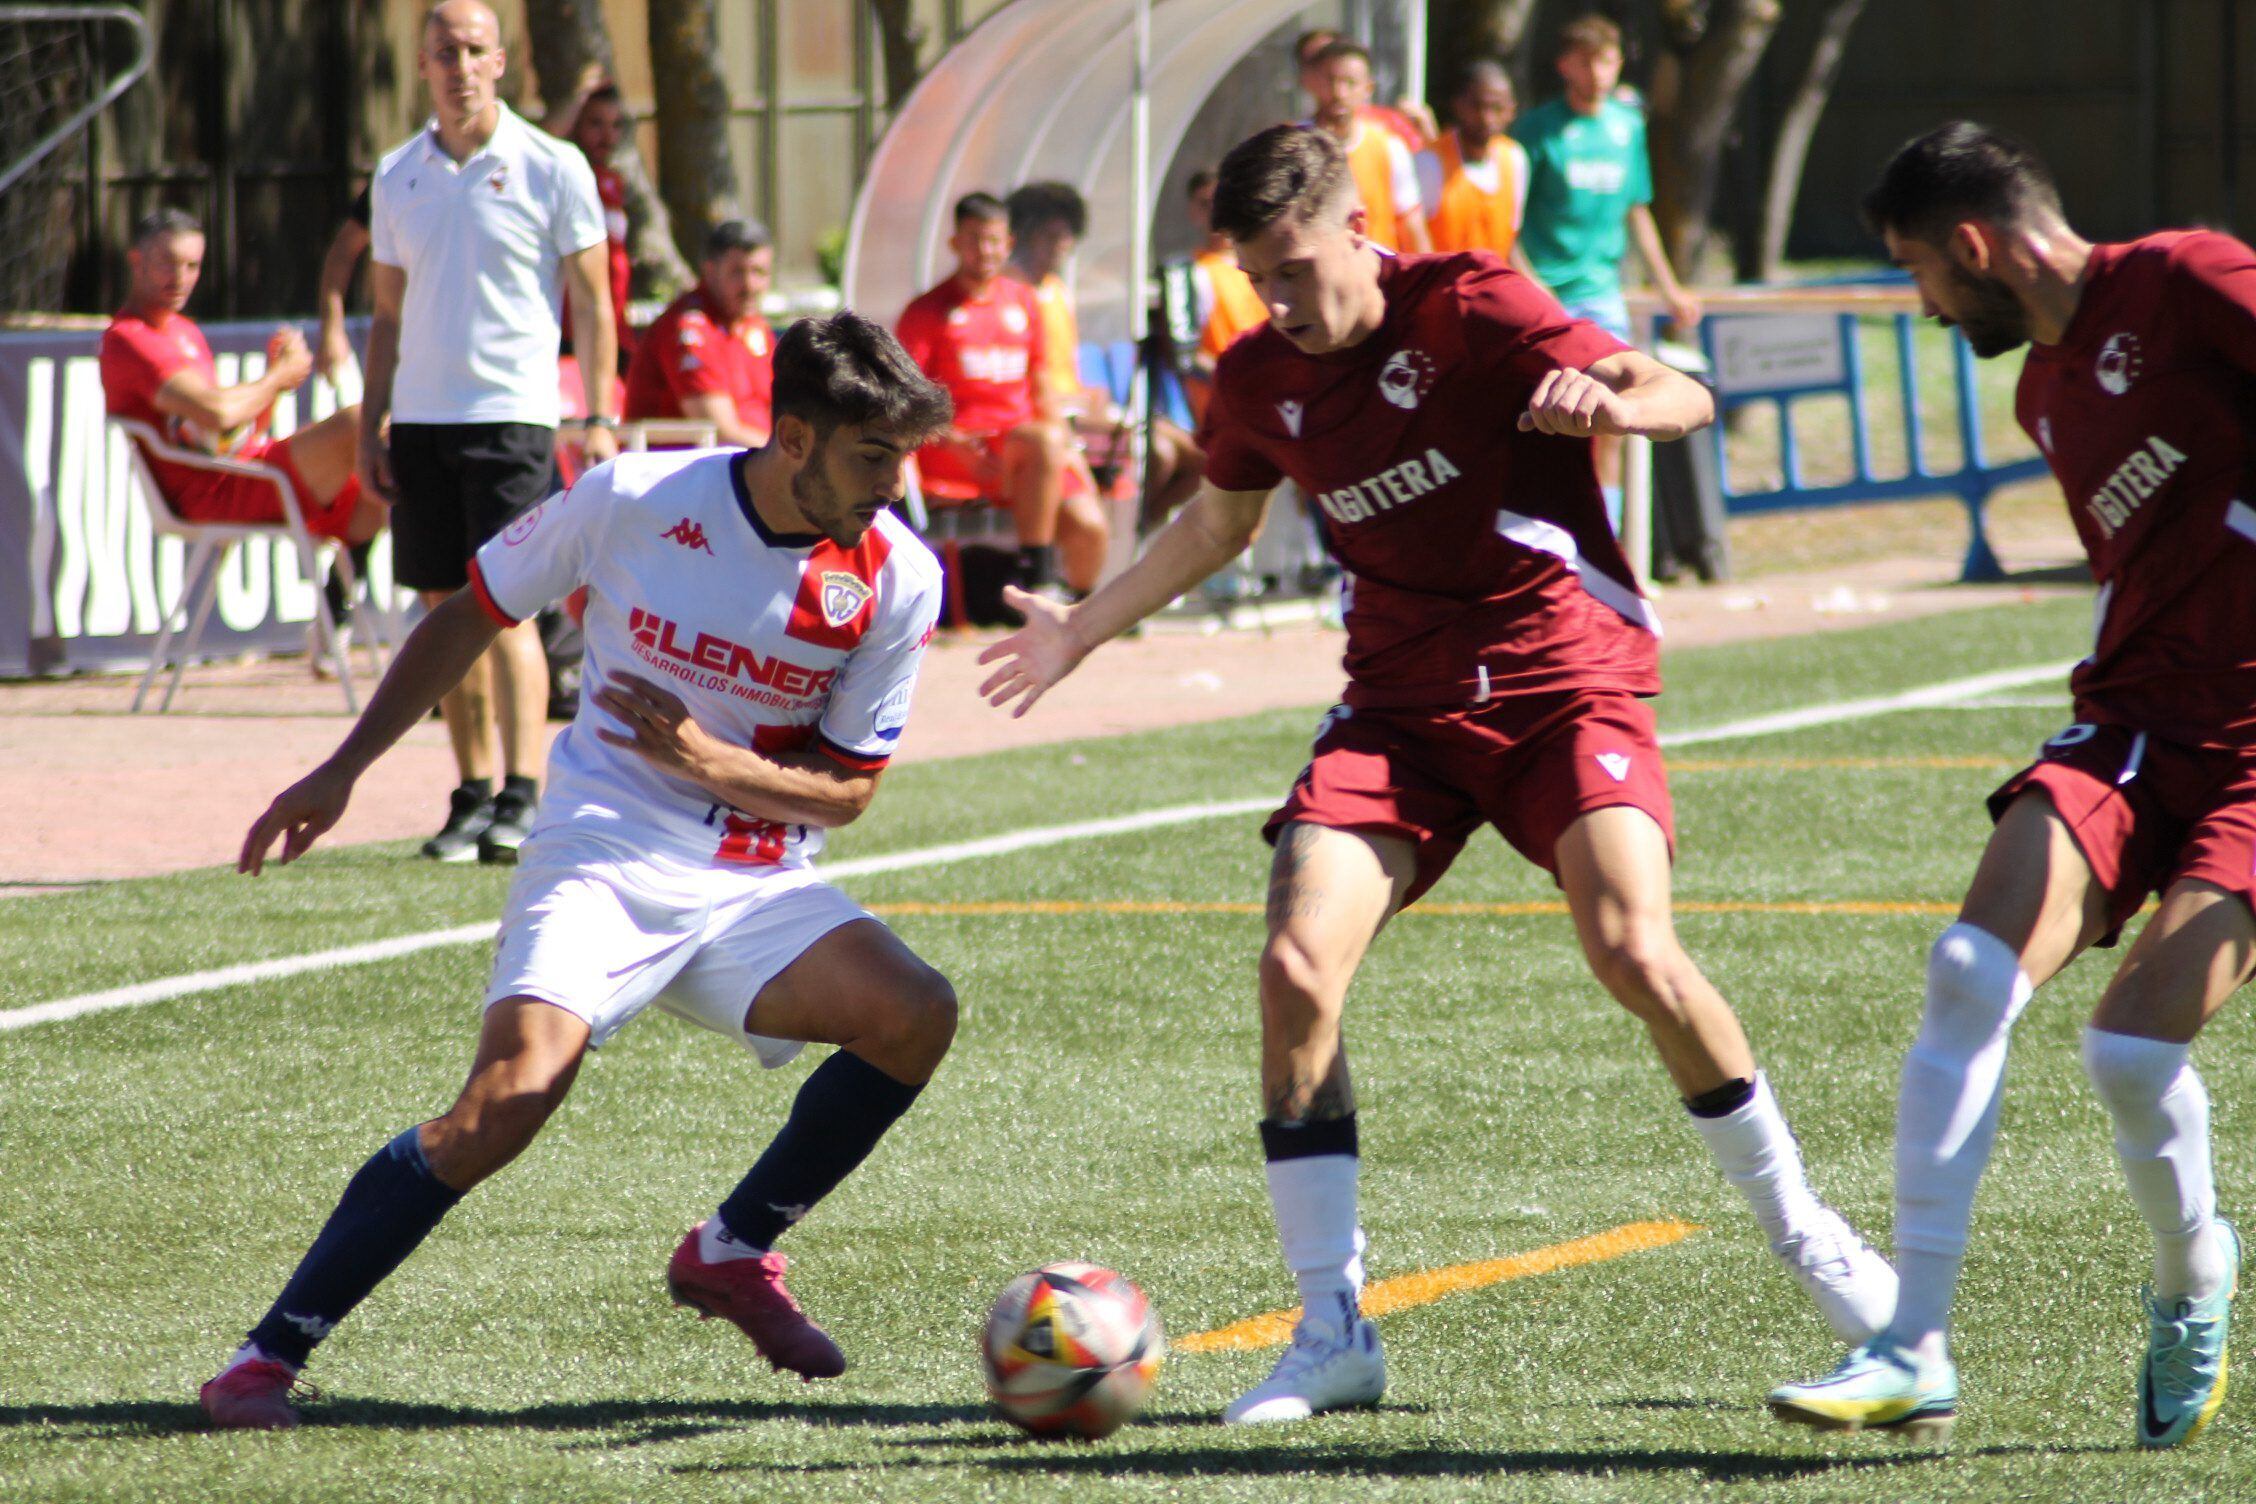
1808 371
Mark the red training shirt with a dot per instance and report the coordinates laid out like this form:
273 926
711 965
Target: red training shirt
688 352
987 351
1479 557
2145 410
611 192
139 356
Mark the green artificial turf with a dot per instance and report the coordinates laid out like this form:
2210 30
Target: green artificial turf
165 1165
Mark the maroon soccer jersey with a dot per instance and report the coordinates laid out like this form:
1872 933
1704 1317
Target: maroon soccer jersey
1479 557
2144 409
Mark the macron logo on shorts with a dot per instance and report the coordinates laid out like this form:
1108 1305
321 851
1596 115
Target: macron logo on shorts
1616 765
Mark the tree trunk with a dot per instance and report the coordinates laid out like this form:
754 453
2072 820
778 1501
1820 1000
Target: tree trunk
1466 29
565 36
696 170
1696 94
1797 127
899 38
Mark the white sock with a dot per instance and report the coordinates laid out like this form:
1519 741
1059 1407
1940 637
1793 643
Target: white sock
1757 1153
1314 1198
1946 1121
2161 1113
251 1352
717 1245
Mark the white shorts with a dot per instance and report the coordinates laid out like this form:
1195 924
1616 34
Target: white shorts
603 935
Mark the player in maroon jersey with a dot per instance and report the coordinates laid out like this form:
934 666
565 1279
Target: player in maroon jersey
2140 378
1438 410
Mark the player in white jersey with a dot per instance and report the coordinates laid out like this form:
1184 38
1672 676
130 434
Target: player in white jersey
754 625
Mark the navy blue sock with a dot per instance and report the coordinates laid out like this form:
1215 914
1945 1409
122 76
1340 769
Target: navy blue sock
1722 1101
390 1207
838 1117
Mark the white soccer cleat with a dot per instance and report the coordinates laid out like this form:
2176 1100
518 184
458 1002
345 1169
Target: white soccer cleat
1324 1369
1854 1288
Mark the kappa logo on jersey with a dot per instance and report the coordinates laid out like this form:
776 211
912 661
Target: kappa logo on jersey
688 534
1407 376
1290 410
2133 482
712 662
1395 486
1014 318
843 596
1616 765
2119 364
499 182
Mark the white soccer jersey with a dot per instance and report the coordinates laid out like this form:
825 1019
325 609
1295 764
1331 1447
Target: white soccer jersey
483 244
777 642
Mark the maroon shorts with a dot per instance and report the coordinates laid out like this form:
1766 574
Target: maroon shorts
253 498
2146 813
1530 765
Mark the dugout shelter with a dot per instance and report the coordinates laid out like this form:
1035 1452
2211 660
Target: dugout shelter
1096 93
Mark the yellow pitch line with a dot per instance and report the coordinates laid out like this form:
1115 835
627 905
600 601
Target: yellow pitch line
1428 1285
1061 906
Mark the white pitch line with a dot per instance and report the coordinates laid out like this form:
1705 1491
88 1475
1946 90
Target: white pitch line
1932 696
165 989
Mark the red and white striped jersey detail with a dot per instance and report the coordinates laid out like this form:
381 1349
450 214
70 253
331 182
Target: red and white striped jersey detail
838 591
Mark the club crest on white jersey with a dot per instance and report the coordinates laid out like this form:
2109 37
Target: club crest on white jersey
843 596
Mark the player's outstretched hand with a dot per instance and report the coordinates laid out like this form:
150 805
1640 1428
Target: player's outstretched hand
301 814
658 723
1035 656
1576 404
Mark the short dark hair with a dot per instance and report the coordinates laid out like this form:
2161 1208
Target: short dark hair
1203 178
1305 45
1333 51
1481 72
163 224
1286 169
1033 205
984 207
736 235
846 369
604 93
1956 172
1590 33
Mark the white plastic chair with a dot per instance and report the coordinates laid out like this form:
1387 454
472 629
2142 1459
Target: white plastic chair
208 543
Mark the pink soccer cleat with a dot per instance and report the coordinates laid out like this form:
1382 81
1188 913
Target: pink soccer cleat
253 1395
750 1293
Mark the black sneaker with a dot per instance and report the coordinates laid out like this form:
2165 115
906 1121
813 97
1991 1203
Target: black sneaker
468 815
512 821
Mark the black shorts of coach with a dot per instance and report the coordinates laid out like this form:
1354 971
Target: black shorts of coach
459 484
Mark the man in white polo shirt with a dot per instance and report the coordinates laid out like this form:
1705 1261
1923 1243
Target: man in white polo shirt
479 224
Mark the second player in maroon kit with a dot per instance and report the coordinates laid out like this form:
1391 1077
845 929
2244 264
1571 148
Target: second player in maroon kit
2139 388
1438 412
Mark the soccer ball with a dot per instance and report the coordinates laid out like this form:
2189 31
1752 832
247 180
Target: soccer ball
1071 1350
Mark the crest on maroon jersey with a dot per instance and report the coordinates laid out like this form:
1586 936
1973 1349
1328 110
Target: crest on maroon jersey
1406 376
2119 364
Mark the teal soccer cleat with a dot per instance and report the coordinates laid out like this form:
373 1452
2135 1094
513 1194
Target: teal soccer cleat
2182 1381
1878 1387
